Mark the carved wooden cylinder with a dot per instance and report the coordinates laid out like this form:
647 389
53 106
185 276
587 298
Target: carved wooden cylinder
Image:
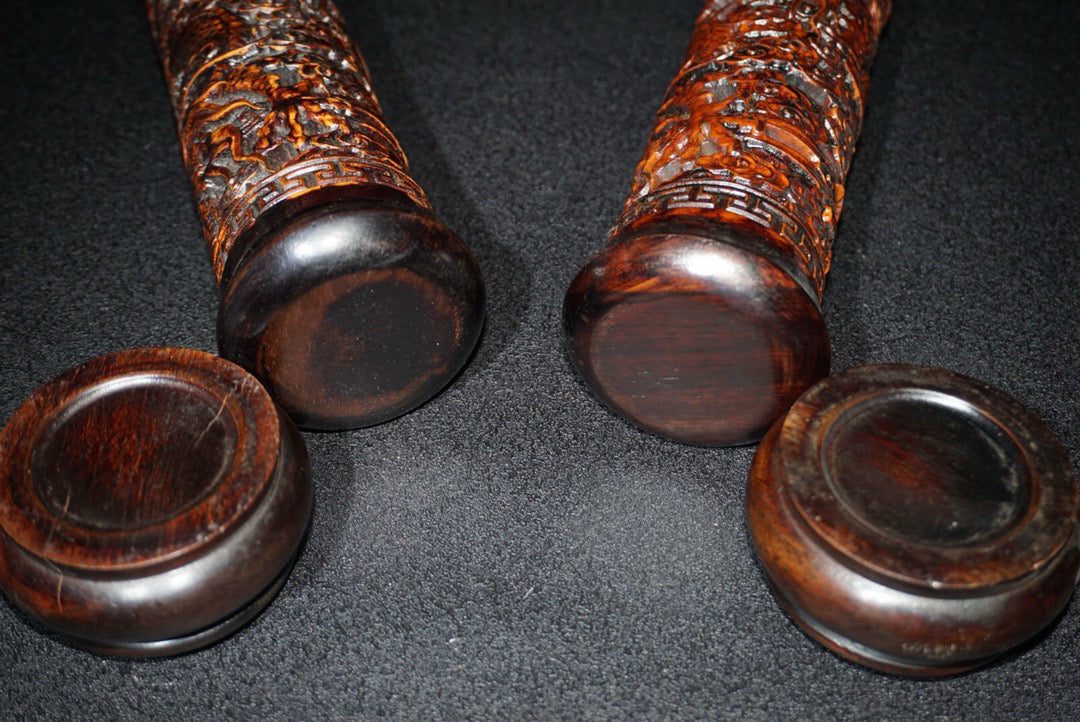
700 320
340 289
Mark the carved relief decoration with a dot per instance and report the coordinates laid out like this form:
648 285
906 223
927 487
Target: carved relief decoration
759 124
272 100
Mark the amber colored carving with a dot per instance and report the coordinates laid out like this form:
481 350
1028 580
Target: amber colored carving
272 100
700 320
759 124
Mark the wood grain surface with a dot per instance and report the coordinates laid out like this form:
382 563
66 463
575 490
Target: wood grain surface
915 520
341 291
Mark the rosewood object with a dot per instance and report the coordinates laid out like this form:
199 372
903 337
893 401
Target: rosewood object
340 290
151 501
700 320
915 520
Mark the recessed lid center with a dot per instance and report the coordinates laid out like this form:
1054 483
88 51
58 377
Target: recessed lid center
927 468
132 453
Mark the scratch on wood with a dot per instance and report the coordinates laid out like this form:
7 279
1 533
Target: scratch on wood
221 409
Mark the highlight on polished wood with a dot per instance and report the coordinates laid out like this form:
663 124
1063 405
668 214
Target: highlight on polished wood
701 320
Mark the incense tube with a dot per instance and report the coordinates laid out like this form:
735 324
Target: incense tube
700 320
340 290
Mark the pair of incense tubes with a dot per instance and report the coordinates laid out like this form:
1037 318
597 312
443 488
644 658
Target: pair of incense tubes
908 518
700 319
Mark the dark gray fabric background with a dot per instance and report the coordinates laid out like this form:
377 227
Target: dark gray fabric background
511 549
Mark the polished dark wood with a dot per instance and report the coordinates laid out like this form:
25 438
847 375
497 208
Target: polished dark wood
352 305
915 520
700 320
303 190
699 340
151 501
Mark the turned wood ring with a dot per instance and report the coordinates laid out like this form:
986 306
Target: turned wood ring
151 501
915 520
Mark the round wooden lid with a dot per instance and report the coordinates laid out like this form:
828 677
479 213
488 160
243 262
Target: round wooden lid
915 520
151 501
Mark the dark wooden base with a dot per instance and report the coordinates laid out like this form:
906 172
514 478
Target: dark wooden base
352 305
858 653
696 334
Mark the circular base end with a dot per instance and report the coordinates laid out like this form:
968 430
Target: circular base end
353 311
694 338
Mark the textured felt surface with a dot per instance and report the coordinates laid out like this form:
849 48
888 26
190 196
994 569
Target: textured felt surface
511 549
